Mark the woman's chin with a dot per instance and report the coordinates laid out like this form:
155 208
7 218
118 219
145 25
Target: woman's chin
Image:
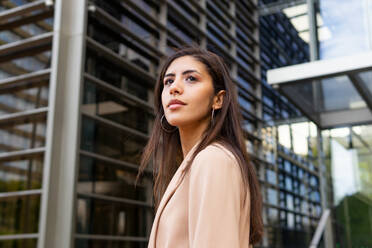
174 123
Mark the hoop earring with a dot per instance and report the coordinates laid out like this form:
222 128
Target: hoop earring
212 119
166 130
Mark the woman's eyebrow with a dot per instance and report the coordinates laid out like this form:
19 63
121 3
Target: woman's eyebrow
183 73
189 71
169 75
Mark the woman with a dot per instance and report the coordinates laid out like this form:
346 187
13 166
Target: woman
206 190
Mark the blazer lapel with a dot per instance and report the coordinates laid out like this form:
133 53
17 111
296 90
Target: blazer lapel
172 187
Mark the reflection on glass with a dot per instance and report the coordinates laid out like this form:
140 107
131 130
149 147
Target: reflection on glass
284 136
349 158
271 176
295 186
114 75
24 65
345 28
338 93
20 175
121 46
246 104
98 102
272 196
291 221
290 202
300 133
344 171
96 216
23 136
109 179
367 80
19 214
111 142
21 99
272 215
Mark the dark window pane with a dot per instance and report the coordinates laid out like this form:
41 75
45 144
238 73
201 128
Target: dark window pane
98 102
19 214
112 142
95 216
109 179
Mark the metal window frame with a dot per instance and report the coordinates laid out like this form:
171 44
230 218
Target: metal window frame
22 117
23 154
105 159
118 92
19 236
26 47
111 124
113 23
21 48
114 199
27 20
20 193
32 79
272 8
115 58
23 9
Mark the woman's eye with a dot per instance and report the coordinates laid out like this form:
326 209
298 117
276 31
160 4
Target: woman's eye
168 81
191 78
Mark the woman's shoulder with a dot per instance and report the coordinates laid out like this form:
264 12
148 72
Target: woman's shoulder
216 153
217 164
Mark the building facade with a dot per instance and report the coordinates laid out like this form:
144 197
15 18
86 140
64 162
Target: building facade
76 109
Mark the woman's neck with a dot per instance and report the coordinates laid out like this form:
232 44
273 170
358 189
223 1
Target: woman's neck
190 135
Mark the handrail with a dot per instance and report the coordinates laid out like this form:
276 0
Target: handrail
320 229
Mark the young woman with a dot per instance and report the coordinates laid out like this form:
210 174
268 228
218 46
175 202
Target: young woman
206 190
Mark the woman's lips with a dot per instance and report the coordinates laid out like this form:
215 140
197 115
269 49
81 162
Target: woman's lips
175 106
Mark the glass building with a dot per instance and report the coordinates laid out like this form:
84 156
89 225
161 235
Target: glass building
333 92
76 93
293 191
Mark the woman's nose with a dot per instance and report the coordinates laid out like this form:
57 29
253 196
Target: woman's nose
176 87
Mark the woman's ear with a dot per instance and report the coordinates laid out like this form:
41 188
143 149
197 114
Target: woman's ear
218 99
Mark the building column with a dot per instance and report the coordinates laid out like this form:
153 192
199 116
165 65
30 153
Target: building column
57 220
328 232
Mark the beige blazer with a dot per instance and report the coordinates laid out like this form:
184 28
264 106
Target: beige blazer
205 209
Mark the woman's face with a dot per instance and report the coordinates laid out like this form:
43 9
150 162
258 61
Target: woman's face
188 92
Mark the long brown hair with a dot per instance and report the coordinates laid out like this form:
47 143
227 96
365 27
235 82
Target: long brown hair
164 149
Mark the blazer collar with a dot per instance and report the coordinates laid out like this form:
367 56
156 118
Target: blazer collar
172 186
